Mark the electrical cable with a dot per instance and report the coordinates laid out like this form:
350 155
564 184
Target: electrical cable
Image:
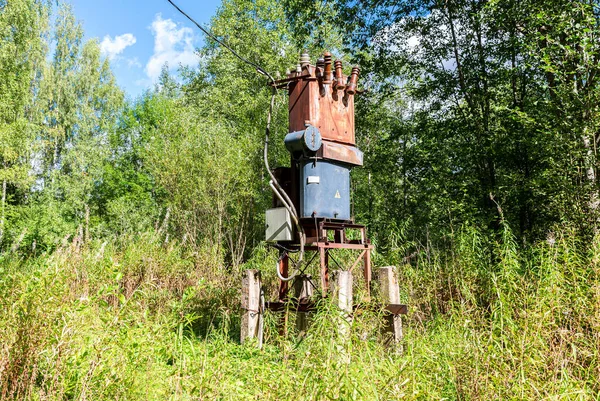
279 192
225 45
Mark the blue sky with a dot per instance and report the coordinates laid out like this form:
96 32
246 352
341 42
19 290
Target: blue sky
139 36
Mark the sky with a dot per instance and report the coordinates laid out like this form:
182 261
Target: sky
139 36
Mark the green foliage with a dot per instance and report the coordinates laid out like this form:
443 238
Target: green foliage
22 24
476 98
138 320
125 226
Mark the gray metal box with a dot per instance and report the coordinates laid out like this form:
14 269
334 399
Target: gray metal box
278 225
324 190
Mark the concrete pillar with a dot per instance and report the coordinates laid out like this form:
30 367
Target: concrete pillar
342 295
390 294
252 324
303 292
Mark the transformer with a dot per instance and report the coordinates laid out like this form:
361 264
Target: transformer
321 141
311 214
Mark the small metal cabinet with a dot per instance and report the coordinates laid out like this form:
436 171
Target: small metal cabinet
324 190
278 225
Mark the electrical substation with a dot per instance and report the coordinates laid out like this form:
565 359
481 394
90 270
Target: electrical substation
310 219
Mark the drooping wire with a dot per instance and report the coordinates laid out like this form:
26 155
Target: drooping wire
225 45
274 183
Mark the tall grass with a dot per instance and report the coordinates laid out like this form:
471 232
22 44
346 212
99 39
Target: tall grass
147 321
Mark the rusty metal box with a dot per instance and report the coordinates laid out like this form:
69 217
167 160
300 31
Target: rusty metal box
330 111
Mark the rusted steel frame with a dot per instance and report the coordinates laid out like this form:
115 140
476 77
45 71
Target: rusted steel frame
315 246
336 262
394 309
328 224
338 236
324 263
360 257
307 265
284 270
333 245
367 270
397 309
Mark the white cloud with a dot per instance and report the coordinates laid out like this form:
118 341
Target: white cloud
172 45
133 62
113 47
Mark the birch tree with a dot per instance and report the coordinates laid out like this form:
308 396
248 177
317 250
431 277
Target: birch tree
22 50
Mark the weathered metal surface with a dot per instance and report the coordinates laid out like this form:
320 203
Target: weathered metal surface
329 110
342 153
333 245
307 140
339 75
329 196
328 72
278 225
351 87
397 309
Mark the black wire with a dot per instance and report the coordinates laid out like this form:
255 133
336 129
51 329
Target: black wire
260 70
336 262
281 247
225 45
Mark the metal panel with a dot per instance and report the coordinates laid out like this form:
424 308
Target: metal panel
327 197
331 111
278 225
341 153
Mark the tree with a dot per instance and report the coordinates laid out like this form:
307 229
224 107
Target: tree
499 108
22 49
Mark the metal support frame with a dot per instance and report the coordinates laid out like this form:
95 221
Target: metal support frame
318 242
321 246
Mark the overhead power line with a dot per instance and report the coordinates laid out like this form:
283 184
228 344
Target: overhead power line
222 43
275 186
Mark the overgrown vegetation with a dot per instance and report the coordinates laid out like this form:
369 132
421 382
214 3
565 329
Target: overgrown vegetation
125 225
144 322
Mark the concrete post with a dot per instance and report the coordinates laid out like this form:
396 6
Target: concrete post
342 293
303 292
252 315
390 294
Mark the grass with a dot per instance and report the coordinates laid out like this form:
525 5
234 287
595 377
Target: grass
145 321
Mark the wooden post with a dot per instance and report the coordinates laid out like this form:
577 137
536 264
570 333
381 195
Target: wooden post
342 293
252 317
303 291
390 294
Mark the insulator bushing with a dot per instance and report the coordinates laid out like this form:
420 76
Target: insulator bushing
328 68
304 59
339 75
351 87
